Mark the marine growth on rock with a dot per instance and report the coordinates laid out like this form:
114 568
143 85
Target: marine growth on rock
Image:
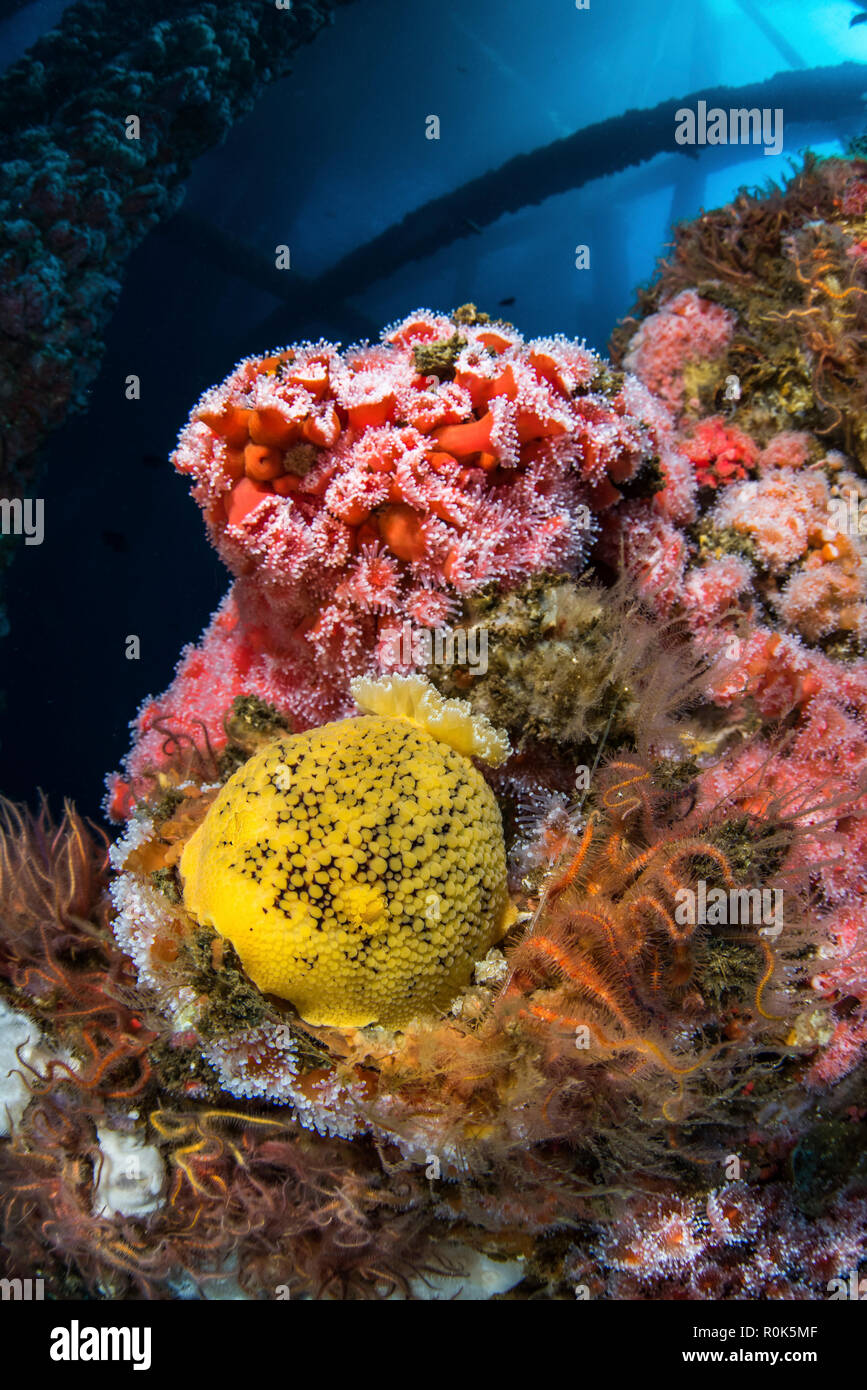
510 964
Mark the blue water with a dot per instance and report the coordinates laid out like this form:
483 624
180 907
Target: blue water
331 157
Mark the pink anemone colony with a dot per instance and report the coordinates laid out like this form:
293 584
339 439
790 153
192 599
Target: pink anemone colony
351 492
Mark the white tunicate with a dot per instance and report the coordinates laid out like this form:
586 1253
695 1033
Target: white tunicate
476 1278
20 1046
131 1177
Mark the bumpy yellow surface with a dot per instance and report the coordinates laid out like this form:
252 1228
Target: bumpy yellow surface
358 869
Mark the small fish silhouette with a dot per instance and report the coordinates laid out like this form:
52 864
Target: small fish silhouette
510 299
859 18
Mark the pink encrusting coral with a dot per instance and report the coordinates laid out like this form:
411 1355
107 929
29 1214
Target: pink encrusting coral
351 492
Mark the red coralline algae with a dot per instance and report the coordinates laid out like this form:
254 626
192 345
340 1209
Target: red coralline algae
351 492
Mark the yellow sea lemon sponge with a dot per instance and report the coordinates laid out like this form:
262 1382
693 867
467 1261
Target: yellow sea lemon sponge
415 699
358 869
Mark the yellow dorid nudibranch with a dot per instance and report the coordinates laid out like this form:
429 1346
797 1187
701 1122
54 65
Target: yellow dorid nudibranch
359 868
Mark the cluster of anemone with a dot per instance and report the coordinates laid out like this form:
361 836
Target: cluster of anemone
352 492
725 1244
770 410
686 332
754 332
820 768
